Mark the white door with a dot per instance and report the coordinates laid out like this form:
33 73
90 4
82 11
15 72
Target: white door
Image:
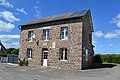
45 54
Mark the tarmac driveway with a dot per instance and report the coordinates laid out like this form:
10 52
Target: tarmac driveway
13 72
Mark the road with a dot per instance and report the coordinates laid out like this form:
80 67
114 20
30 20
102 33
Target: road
13 72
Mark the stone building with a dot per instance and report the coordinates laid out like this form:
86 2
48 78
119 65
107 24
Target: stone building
61 41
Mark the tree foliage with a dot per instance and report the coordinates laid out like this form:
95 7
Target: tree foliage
97 59
13 51
110 58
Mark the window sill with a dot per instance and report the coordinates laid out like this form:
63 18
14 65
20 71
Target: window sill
29 58
63 60
30 41
45 40
64 39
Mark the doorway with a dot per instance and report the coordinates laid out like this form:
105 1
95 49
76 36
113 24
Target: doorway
44 56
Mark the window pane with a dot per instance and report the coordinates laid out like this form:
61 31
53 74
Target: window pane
29 53
64 33
30 35
45 34
45 55
66 54
61 54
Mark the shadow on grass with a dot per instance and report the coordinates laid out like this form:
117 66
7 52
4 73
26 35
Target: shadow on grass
96 65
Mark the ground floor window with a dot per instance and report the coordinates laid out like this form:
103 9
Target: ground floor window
63 54
29 52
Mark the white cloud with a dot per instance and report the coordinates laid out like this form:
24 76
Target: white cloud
99 34
4 26
14 36
111 35
37 2
11 45
37 9
117 32
6 38
38 13
6 3
110 45
114 34
15 44
100 45
22 10
7 15
116 20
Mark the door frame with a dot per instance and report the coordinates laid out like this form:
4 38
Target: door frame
44 61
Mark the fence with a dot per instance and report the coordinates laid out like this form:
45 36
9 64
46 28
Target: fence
10 59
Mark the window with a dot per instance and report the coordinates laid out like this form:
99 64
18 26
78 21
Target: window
31 35
64 33
29 53
86 51
45 34
63 54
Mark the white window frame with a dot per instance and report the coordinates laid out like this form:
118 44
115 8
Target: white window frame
29 53
31 35
63 55
64 30
46 34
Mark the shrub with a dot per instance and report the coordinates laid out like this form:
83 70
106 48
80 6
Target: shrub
20 62
97 59
110 58
23 62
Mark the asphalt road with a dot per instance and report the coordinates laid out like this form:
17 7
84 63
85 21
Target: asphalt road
13 72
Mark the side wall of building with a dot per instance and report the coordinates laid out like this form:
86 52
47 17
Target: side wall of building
87 41
73 44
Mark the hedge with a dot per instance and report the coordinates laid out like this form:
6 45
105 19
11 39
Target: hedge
110 58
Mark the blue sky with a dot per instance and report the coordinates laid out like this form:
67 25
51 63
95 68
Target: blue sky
105 17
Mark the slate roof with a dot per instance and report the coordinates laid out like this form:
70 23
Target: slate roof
57 17
5 50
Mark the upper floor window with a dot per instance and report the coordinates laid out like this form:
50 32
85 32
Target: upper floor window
64 33
63 54
31 35
29 53
45 34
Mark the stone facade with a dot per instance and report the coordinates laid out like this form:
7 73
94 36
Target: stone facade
79 39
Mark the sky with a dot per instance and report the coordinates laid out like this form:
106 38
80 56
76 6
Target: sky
105 17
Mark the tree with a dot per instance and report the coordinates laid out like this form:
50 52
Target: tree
12 51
